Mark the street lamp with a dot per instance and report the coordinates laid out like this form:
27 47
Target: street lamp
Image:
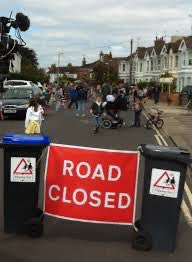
59 54
108 70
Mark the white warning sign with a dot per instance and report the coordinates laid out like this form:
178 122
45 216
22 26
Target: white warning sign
164 183
23 169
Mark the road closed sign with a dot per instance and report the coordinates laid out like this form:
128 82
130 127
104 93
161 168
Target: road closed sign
23 169
164 183
91 185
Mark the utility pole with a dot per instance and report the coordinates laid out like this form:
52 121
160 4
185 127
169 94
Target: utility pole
59 54
131 63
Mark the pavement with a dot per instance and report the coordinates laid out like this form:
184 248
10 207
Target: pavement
73 241
177 123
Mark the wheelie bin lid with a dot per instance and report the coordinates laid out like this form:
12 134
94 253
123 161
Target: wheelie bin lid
165 152
17 139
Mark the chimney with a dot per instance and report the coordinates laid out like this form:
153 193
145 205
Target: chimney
84 62
101 56
159 41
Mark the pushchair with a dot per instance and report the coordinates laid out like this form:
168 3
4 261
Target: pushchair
111 116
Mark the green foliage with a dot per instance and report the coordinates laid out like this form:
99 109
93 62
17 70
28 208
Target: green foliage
142 85
173 87
64 79
166 74
29 67
105 72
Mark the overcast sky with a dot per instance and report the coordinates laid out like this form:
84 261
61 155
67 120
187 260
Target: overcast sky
84 27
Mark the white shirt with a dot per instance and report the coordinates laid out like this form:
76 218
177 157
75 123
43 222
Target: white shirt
110 98
31 115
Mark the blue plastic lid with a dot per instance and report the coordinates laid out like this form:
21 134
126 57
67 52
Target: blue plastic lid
25 139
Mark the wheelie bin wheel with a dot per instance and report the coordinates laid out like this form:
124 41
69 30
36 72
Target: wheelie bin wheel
35 227
142 241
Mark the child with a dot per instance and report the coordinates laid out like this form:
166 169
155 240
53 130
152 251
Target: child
138 107
1 111
33 118
97 110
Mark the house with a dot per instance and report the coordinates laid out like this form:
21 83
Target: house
73 72
150 63
184 71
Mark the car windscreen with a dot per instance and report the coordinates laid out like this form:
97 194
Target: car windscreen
18 93
15 83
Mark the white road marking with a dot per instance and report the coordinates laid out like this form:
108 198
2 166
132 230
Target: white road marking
184 206
158 140
162 138
186 212
189 194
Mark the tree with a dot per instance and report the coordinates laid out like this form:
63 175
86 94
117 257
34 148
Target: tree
29 55
105 72
30 67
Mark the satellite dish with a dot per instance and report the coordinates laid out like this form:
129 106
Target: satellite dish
22 22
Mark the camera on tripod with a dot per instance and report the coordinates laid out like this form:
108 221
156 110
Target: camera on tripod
8 46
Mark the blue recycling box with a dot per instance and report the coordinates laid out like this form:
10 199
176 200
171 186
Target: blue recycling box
22 158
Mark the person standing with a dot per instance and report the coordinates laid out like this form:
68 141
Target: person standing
135 93
33 118
81 100
1 111
106 90
156 93
73 97
58 99
138 107
54 90
97 110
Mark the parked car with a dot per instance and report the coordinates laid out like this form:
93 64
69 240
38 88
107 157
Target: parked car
18 83
16 100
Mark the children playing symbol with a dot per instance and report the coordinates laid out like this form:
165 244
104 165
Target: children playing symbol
170 180
27 166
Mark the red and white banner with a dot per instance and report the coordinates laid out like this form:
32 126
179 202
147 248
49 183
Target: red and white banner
91 185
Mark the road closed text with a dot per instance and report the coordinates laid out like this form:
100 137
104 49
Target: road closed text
91 185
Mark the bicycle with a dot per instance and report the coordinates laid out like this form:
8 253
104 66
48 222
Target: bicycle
155 120
189 105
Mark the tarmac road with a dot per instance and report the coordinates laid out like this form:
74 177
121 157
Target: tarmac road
74 241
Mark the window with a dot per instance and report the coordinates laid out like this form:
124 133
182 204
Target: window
176 61
18 93
37 91
141 67
190 62
165 62
188 80
171 61
147 66
151 65
123 67
184 59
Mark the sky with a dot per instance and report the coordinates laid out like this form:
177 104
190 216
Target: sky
84 28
